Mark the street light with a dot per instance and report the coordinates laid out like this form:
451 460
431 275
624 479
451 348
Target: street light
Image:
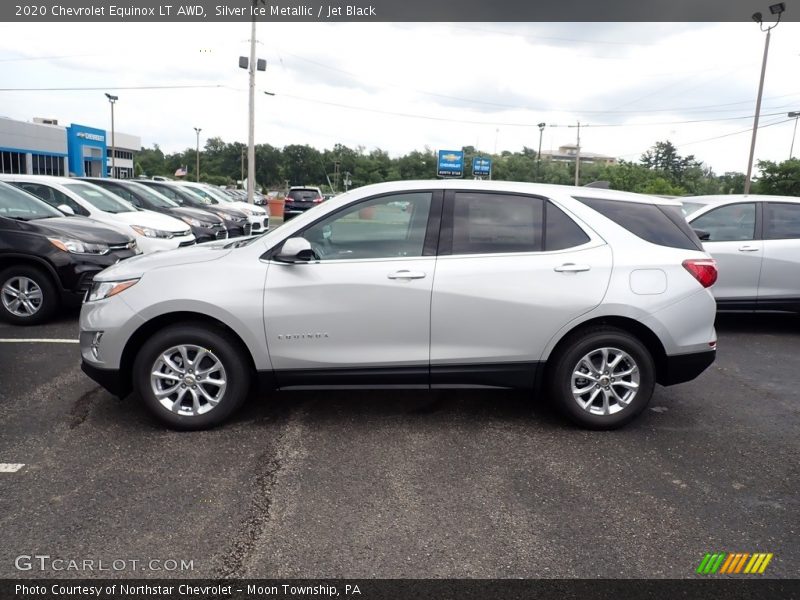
112 100
197 130
794 114
539 154
775 9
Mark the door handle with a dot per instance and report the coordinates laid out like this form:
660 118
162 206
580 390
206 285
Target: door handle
405 274
748 248
571 268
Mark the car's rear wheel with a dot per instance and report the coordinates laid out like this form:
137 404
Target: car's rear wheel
191 376
27 295
602 378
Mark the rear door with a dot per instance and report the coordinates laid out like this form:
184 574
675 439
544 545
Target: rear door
779 285
361 313
512 270
734 243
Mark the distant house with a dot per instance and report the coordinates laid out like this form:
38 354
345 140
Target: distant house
567 153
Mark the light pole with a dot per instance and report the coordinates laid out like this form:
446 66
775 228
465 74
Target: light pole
112 100
252 65
794 114
197 130
775 9
539 154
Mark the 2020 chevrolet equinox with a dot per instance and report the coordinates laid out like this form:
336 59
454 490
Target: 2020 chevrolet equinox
590 296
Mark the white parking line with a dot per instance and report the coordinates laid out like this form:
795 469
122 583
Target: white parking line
36 341
10 467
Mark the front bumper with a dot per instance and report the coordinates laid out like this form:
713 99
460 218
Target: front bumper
159 244
681 368
110 379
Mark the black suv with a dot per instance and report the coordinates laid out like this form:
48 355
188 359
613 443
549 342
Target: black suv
47 259
300 199
206 226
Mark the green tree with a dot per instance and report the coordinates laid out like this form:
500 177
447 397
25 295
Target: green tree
781 179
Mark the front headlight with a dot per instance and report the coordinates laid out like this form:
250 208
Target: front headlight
105 289
151 233
192 222
78 247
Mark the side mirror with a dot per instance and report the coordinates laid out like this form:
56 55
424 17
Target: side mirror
702 234
294 250
66 209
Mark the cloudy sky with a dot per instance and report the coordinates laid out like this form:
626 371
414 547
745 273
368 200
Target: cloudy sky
403 86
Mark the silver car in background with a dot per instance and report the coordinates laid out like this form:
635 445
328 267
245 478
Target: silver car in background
589 295
756 243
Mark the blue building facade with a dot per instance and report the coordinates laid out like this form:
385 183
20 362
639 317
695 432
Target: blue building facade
86 151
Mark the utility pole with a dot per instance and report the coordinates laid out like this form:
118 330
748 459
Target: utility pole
197 165
539 154
794 114
578 157
251 131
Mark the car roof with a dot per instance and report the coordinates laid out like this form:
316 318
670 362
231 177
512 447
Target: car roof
518 187
731 198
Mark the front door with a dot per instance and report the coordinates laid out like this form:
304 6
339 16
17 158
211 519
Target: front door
360 314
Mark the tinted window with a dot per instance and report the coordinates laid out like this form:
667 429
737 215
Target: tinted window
662 225
303 195
561 232
729 223
52 196
389 226
486 223
781 221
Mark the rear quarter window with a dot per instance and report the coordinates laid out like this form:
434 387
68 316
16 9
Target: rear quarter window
654 223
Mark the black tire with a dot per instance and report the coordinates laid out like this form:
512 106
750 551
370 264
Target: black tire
589 343
223 348
49 295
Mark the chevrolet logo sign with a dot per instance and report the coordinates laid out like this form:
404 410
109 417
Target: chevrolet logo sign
450 157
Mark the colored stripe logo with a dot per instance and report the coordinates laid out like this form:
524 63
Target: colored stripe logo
734 563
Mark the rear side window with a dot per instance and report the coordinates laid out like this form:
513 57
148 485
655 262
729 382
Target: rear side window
496 223
782 221
661 225
560 231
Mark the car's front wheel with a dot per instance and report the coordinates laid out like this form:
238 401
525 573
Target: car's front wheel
602 378
191 376
27 295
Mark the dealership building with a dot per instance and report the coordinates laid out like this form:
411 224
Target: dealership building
43 147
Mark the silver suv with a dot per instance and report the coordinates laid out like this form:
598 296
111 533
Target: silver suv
588 296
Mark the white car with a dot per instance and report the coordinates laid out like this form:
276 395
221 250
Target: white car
756 243
589 296
152 231
256 216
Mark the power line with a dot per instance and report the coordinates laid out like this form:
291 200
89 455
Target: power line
113 87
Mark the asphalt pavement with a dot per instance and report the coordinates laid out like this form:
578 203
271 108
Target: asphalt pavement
389 484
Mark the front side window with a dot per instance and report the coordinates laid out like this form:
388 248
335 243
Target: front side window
782 221
385 227
16 204
52 196
485 223
734 222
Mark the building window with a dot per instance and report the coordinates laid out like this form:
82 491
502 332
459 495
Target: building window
12 162
46 164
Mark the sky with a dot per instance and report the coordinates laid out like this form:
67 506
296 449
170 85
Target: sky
411 86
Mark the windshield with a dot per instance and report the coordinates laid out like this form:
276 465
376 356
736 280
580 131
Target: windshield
99 198
16 204
153 196
202 194
691 207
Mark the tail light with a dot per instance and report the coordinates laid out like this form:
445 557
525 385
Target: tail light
318 199
702 269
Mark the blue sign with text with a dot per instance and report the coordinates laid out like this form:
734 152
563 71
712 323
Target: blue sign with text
481 166
451 163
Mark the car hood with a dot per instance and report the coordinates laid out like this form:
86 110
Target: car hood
228 210
81 229
195 213
255 209
138 265
149 218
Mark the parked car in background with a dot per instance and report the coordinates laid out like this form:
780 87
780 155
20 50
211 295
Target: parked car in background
206 226
256 216
47 259
300 199
152 231
235 220
756 243
591 295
